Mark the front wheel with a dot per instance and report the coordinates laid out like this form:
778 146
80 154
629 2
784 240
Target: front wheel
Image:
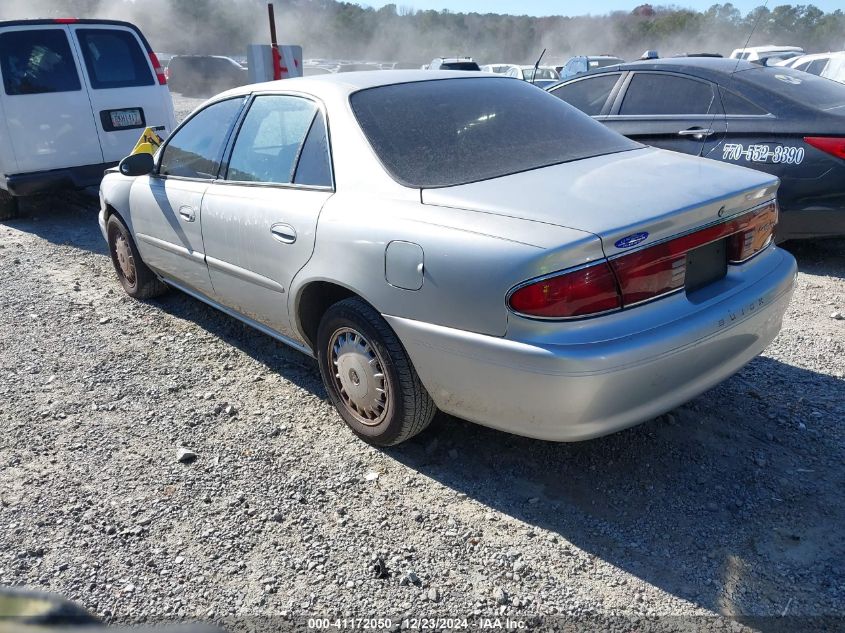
137 279
368 375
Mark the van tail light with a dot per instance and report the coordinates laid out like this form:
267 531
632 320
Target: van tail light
65 20
159 71
628 279
584 291
835 146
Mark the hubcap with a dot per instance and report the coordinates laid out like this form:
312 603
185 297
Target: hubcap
359 376
124 258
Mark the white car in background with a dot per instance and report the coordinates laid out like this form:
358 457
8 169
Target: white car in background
759 53
544 76
828 65
76 96
499 68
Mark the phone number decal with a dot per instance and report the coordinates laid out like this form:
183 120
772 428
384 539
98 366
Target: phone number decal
763 153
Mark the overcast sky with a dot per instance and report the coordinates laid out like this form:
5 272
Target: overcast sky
579 7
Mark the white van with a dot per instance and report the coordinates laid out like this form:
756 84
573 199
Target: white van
75 96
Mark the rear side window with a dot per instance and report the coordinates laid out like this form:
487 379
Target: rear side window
815 67
734 104
314 166
114 59
195 149
270 138
655 94
588 95
37 62
453 131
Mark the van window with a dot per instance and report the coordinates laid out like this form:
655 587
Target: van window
114 59
37 62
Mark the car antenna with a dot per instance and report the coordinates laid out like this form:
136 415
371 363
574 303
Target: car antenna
536 66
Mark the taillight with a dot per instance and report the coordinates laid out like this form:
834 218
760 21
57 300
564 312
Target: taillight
658 270
158 70
65 20
831 145
628 279
755 232
581 292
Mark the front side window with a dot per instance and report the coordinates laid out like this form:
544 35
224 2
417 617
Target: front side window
270 138
588 95
654 94
195 149
454 131
114 59
37 62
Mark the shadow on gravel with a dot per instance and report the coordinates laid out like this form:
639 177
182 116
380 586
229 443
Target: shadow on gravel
66 219
277 357
733 502
819 257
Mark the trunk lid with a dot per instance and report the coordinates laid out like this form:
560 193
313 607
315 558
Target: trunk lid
635 197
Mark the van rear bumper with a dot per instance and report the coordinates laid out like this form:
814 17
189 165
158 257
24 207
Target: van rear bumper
54 179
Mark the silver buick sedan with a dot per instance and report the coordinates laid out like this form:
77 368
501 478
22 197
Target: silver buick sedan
451 241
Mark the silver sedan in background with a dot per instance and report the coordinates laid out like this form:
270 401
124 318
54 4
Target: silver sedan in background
445 240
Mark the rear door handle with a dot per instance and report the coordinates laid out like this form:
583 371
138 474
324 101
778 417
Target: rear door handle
697 132
283 233
188 213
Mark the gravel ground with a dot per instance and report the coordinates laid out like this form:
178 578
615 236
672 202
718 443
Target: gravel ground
731 504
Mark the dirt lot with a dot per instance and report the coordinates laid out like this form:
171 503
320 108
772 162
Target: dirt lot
731 504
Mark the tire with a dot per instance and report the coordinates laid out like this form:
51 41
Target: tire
353 340
9 206
137 279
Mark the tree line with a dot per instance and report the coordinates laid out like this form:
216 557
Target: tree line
346 30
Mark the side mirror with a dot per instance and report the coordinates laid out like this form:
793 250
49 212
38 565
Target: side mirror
137 164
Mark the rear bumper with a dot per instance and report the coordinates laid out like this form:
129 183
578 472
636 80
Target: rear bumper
577 390
810 223
55 179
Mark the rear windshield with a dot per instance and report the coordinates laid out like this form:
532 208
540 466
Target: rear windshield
37 62
114 59
454 131
804 88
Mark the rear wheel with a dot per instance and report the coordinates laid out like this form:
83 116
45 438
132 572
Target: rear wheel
136 278
368 375
9 205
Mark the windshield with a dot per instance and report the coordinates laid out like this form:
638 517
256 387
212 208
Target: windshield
796 85
454 131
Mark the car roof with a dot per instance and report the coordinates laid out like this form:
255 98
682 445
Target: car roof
700 66
338 83
767 49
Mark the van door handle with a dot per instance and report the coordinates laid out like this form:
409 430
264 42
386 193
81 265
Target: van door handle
283 233
188 213
697 132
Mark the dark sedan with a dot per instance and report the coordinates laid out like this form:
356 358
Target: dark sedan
778 120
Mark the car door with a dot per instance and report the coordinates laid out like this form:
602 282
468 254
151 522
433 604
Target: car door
45 104
260 221
166 206
670 111
125 93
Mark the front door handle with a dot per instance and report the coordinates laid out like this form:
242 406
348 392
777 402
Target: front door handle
697 132
283 233
188 213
